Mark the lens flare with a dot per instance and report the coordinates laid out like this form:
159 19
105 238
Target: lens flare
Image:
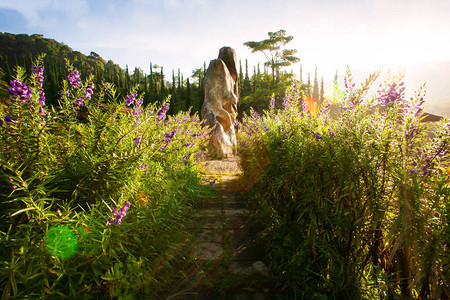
61 241
311 105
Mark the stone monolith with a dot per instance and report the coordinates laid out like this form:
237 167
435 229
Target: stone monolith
219 109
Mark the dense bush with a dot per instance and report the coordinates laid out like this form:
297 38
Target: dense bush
93 192
352 206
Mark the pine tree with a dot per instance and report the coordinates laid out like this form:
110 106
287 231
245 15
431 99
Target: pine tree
316 94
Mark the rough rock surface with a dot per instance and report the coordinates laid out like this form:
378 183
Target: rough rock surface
219 109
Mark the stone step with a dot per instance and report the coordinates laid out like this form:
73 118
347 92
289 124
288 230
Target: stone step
236 222
249 268
206 251
236 213
201 213
205 222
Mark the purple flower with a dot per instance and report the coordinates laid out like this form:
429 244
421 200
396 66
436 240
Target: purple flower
168 137
19 90
14 186
391 94
411 132
119 214
42 111
138 139
130 98
418 107
39 71
324 109
10 120
161 114
284 131
144 166
74 78
286 101
244 143
256 115
79 101
23 184
304 106
137 108
331 132
272 101
185 159
89 91
318 136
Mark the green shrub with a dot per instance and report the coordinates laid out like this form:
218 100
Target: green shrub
355 207
93 192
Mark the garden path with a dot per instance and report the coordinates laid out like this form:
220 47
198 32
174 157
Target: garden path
227 258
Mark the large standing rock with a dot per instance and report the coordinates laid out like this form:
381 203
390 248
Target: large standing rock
220 107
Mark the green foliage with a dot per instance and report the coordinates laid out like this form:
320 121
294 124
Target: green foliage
65 171
355 207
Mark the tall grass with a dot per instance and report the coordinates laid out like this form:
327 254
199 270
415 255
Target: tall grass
65 174
355 206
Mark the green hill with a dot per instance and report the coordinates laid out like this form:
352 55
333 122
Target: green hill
22 49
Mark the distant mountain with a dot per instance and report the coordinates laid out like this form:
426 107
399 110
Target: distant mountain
438 107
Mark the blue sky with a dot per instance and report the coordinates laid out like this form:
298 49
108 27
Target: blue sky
329 34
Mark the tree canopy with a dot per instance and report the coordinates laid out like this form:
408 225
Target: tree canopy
272 50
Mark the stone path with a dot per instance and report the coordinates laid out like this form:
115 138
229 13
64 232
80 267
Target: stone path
222 243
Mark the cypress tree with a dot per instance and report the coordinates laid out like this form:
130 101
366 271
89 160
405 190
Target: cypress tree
188 94
322 93
301 73
127 80
336 76
315 93
163 87
246 90
241 78
309 85
254 86
172 109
